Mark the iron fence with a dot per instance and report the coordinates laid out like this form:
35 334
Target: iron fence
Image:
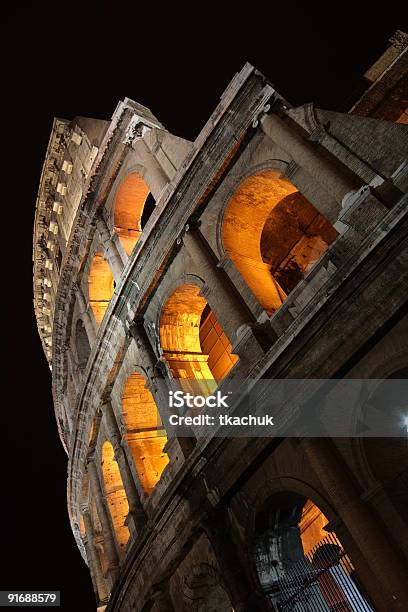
323 580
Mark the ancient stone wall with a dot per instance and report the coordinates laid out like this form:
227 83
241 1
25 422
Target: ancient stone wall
199 290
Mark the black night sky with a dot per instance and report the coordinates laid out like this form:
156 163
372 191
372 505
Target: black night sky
80 58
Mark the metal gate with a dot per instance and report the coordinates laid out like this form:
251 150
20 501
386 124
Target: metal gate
322 581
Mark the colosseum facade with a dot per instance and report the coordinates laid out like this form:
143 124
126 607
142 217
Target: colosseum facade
272 247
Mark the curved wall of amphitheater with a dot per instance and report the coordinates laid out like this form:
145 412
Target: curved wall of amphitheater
272 246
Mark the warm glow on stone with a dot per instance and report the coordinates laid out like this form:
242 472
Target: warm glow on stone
129 202
273 235
115 494
312 524
216 345
195 349
101 286
144 431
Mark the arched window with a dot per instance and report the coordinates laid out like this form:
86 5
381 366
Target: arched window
300 564
101 286
133 206
193 341
115 494
145 434
83 348
274 236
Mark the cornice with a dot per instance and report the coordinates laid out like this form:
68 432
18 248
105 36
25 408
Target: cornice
43 209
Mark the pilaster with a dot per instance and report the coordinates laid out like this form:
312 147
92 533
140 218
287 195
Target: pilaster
135 504
109 538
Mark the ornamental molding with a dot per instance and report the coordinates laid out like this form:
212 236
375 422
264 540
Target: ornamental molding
136 130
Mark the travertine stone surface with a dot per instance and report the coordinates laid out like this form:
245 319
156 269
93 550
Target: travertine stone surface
155 256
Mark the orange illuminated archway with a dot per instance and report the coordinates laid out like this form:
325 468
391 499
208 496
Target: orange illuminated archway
115 494
128 209
294 545
274 236
101 286
193 341
145 434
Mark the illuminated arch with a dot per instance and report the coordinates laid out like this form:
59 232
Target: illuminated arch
293 545
115 494
100 286
273 235
193 341
145 434
129 210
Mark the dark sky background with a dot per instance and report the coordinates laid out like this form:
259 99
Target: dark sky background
65 59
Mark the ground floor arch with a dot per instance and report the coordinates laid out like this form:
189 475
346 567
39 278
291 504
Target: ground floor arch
300 562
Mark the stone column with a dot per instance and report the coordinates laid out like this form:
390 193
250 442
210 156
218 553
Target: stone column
154 176
93 559
150 363
110 248
364 528
378 498
331 175
243 596
231 312
159 389
83 311
135 505
233 316
109 538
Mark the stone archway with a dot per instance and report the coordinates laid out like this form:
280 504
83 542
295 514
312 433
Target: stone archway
144 431
273 235
115 494
194 344
132 207
300 562
101 286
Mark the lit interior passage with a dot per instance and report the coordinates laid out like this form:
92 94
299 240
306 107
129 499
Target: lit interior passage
216 345
101 286
295 552
193 341
115 494
312 526
129 205
274 236
145 434
82 526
